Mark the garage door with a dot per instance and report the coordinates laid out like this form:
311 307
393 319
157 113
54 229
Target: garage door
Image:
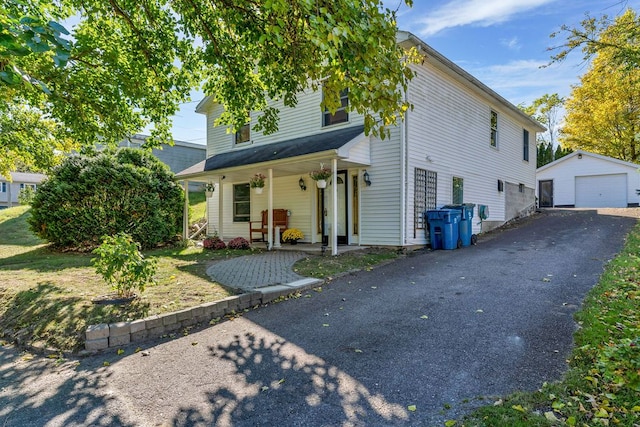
601 191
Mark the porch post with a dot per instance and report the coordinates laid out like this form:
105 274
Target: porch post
220 209
185 211
334 208
270 209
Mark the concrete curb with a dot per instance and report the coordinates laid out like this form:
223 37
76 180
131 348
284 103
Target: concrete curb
103 336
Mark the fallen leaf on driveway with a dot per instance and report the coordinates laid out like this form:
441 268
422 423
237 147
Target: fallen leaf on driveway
194 343
424 316
325 325
479 310
264 388
412 408
357 350
120 351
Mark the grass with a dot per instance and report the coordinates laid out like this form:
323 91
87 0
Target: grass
602 386
46 296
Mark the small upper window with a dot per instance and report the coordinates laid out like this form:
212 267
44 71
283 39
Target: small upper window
244 134
341 115
494 129
525 145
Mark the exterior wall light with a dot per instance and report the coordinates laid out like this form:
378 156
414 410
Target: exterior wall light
302 184
366 178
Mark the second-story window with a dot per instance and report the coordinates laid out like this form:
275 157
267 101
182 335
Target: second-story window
341 115
494 129
244 134
525 145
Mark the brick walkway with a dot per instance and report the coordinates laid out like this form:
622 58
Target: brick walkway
257 271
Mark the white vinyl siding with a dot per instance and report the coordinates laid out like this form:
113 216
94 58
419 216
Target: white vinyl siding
447 133
381 202
303 120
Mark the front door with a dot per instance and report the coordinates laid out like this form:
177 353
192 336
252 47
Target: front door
342 207
545 191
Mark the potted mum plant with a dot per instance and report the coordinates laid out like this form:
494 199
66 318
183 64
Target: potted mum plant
292 235
257 182
209 188
320 176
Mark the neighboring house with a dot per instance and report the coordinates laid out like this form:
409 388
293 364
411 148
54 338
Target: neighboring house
588 180
462 143
9 191
178 157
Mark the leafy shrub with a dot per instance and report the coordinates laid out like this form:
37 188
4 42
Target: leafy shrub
239 243
121 265
102 194
214 243
25 197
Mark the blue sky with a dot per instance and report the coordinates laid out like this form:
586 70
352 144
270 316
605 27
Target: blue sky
503 43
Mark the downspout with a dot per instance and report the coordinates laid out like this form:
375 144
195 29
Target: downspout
220 208
185 212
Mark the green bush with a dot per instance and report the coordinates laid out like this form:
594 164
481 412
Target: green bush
25 197
121 265
102 194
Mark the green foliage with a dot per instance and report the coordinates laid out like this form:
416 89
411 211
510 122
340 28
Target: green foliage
602 112
94 195
122 265
26 195
130 64
546 110
546 154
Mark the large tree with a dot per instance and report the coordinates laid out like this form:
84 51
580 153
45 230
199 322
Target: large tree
130 63
546 110
603 111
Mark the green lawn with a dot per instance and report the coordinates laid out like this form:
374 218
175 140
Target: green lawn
602 386
46 295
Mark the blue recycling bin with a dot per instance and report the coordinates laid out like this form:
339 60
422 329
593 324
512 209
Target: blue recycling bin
465 226
443 228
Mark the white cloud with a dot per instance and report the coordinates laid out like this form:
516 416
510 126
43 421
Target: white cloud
523 81
484 13
511 44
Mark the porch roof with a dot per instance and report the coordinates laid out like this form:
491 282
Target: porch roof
272 152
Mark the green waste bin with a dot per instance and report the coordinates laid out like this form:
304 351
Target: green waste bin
444 228
465 226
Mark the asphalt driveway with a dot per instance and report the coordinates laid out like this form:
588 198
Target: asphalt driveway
440 331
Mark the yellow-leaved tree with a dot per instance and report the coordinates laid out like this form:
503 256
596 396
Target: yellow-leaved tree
603 111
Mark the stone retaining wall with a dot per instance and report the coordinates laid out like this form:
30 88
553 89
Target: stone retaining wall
103 336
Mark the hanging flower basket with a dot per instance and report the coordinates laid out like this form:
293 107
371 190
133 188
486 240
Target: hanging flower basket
257 182
209 188
320 176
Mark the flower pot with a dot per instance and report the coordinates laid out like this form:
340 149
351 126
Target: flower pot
258 190
293 242
321 183
208 193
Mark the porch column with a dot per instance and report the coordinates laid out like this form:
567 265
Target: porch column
185 211
334 208
220 208
270 209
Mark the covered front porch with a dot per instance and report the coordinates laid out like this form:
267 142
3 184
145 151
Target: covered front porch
328 217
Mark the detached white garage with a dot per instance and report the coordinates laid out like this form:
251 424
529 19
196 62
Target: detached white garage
588 180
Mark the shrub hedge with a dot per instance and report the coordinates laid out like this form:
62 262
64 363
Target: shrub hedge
92 195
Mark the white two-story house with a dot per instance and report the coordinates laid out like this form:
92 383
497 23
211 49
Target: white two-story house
462 143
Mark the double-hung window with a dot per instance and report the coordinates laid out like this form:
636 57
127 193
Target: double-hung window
241 203
525 145
494 129
458 190
244 134
341 115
